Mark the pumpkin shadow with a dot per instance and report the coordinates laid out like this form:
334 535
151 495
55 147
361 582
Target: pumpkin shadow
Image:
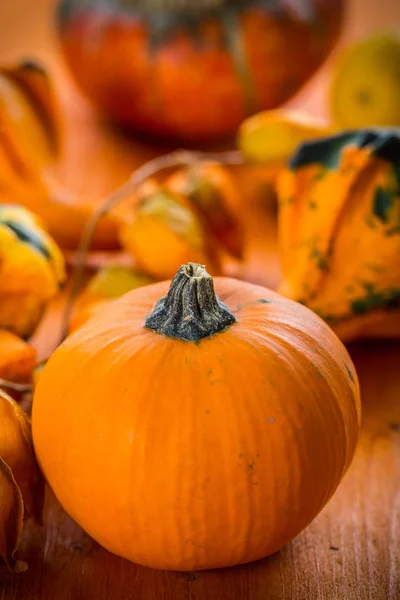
376 362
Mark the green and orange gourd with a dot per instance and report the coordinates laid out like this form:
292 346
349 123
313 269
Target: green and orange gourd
339 231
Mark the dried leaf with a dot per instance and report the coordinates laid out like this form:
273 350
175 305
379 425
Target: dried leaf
17 451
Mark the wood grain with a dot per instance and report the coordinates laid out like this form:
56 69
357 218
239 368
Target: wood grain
350 552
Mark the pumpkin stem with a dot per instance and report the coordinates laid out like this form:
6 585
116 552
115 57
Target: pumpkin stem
191 310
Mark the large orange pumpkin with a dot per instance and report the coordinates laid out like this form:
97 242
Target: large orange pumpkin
194 69
185 430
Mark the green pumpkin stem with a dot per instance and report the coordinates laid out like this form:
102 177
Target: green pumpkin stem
191 310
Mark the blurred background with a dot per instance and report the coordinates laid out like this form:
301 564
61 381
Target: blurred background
27 27
198 77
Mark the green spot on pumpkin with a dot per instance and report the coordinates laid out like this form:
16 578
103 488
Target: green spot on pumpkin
375 268
330 319
350 374
382 204
312 205
320 175
253 302
393 231
321 260
370 222
286 201
373 299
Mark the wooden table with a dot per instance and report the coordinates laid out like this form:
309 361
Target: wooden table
350 552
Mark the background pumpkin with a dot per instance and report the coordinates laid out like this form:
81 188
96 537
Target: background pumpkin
195 434
172 68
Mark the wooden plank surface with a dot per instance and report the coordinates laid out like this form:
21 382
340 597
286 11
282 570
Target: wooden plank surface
351 551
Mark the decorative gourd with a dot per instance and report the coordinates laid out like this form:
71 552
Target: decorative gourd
17 358
212 193
30 142
339 231
21 485
194 69
31 269
162 232
188 428
109 283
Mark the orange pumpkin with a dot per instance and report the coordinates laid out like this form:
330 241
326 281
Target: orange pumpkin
188 430
194 69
